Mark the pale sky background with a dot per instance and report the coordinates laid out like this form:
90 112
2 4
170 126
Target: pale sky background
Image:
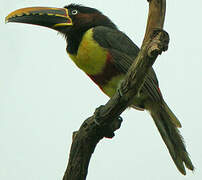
44 97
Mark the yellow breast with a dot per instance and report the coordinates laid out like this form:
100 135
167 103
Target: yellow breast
90 57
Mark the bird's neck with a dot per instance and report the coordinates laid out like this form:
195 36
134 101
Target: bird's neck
73 40
74 37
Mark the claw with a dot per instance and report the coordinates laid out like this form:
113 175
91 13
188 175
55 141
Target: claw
120 92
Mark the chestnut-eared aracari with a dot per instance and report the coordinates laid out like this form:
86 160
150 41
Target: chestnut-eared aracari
105 54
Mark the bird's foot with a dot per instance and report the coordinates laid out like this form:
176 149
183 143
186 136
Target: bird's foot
120 92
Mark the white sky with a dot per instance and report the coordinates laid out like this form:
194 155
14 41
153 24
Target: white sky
44 97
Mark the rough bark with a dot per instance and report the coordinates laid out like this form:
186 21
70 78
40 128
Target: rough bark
106 119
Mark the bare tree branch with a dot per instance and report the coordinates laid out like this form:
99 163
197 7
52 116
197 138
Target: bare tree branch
156 16
106 118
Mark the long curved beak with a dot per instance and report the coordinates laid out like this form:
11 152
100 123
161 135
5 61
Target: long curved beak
54 18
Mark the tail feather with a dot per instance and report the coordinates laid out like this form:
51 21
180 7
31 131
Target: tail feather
173 118
167 124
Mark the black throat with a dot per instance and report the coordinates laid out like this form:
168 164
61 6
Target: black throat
73 40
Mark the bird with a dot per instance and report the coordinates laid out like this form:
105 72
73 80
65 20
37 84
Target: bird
97 46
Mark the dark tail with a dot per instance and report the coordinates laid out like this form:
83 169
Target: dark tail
167 124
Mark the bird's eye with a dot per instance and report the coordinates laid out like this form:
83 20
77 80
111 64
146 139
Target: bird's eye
74 12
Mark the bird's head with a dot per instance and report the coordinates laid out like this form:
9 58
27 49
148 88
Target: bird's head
72 18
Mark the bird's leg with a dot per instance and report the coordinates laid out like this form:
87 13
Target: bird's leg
120 89
120 92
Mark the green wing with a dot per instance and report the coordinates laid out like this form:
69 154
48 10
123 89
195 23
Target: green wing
124 52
